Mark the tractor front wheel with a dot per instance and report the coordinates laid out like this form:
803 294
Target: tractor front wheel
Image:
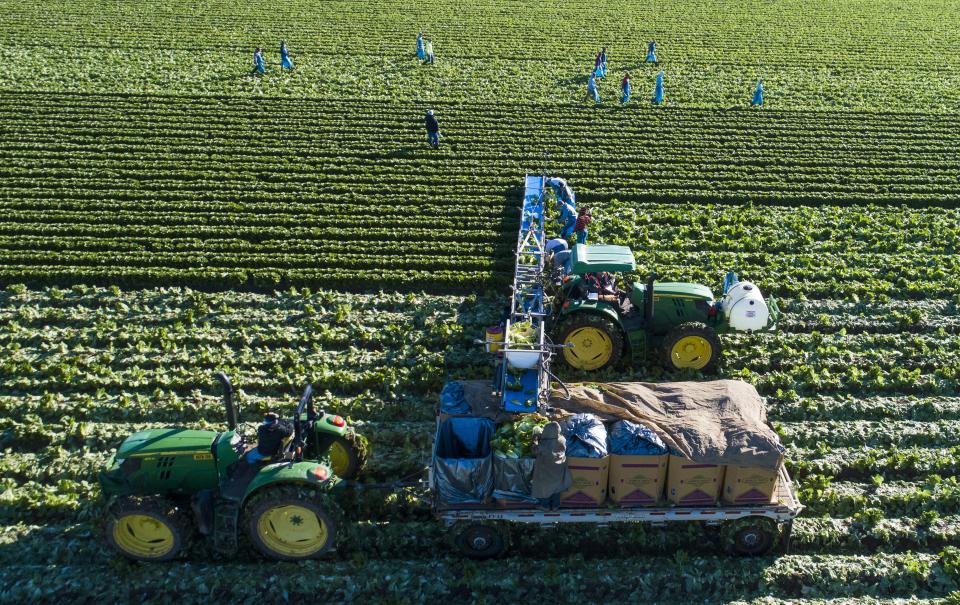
348 455
290 523
692 346
148 529
591 342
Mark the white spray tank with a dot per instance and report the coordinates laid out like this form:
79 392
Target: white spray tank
743 306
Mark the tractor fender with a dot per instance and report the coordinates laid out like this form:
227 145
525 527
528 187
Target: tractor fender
325 424
592 306
312 474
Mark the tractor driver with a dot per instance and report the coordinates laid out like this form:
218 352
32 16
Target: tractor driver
271 436
600 286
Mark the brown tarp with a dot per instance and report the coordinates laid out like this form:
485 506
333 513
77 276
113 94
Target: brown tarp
717 422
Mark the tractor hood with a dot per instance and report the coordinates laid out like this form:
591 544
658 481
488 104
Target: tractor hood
166 441
682 290
613 259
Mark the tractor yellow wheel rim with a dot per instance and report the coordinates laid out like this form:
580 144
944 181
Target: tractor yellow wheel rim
339 458
592 348
143 536
292 531
691 352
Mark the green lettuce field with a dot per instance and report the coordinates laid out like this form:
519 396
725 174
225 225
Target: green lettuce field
164 215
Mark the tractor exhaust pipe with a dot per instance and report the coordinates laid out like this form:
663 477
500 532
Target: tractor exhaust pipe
648 303
228 400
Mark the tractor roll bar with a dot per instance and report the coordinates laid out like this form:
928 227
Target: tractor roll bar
228 399
648 302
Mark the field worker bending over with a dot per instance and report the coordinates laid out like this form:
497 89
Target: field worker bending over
551 477
433 129
625 88
259 66
758 94
285 61
583 221
592 88
270 437
658 90
652 51
430 51
421 51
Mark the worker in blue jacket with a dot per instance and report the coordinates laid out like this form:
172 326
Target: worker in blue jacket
658 90
758 94
285 61
652 51
592 88
421 50
259 66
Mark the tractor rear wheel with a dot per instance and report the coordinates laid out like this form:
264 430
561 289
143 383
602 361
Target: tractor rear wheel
597 342
290 523
692 346
148 529
348 455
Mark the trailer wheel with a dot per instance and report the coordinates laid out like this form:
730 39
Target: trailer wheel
749 537
480 540
691 345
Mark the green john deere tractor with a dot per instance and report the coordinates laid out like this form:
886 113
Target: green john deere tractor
679 321
164 485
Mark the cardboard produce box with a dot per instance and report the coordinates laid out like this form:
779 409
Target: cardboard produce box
589 486
637 480
746 485
690 483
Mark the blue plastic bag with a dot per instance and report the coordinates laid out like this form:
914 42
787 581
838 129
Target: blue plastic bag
631 439
586 436
452 400
463 460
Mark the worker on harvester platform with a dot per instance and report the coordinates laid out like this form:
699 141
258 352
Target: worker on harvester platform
270 439
584 218
551 477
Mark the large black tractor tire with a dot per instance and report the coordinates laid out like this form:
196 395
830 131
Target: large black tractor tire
348 455
598 342
480 540
291 523
749 537
148 528
692 346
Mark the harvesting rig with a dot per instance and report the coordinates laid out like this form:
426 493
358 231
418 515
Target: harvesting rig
166 484
598 326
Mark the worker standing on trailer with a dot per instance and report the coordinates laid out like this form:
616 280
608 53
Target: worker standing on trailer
652 51
421 51
430 51
758 94
658 90
584 218
270 437
259 67
592 90
625 88
433 129
551 477
285 61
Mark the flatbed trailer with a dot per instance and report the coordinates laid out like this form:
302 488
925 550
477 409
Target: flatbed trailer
481 531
